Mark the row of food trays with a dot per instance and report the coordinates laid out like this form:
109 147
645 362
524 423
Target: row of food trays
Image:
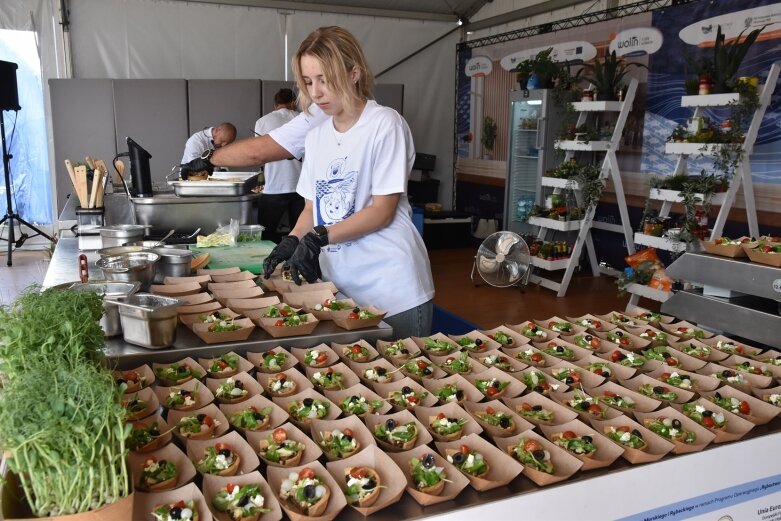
225 305
763 250
432 415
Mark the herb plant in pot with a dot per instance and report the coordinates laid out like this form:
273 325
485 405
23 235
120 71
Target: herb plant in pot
488 138
65 444
607 75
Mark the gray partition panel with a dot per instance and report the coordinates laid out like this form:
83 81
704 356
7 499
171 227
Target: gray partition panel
154 114
211 102
390 95
269 89
82 125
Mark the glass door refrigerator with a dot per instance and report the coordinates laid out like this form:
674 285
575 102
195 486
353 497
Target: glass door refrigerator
534 125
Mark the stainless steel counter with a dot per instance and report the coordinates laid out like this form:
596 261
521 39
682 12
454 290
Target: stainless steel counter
63 268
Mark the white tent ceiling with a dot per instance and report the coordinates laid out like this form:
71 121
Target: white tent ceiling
439 10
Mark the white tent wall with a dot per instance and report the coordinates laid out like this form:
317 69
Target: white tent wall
143 39
41 17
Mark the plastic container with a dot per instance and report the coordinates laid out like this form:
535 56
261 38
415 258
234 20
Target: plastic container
149 320
249 233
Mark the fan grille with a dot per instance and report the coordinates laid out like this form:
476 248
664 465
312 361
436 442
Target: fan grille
503 259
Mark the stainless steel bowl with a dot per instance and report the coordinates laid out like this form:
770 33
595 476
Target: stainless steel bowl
130 267
119 250
173 263
120 234
149 320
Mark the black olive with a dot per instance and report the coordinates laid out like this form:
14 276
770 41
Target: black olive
428 461
534 329
459 394
244 500
504 422
184 392
356 310
622 356
406 390
121 381
539 455
746 364
347 438
478 342
258 416
728 374
381 371
239 385
308 402
370 484
658 389
718 395
707 413
497 384
588 338
619 334
637 433
404 351
201 417
458 458
390 424
587 439
181 369
569 380
605 373
175 513
453 420
685 377
310 491
559 349
584 405
427 371
538 389
666 355
162 462
301 312
224 452
676 423
536 407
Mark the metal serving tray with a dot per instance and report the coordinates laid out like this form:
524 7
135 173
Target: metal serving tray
217 184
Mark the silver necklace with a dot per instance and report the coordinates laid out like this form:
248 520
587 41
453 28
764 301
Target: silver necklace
338 136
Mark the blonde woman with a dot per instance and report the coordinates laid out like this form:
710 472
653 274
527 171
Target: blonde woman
356 225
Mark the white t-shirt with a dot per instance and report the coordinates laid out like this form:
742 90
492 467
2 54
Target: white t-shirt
197 144
291 136
388 268
281 176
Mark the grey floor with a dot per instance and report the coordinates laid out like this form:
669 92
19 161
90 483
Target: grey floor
29 267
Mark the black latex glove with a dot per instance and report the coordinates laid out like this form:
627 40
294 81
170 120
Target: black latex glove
305 261
282 252
195 166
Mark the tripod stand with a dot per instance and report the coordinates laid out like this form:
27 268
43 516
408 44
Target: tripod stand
10 215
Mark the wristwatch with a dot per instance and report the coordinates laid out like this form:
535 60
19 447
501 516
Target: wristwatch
207 155
321 234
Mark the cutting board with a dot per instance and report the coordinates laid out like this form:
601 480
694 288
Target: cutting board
248 256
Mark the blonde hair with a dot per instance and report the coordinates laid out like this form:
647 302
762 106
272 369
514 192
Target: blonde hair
338 53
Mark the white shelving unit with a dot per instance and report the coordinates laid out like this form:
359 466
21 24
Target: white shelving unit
723 200
609 169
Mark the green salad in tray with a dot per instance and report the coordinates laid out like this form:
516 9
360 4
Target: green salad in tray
359 405
307 409
689 332
620 337
281 310
419 367
662 354
671 429
339 443
536 381
226 363
438 346
450 393
578 445
178 373
658 392
445 426
491 387
626 436
274 360
400 435
496 418
532 454
498 361
733 405
657 337
627 359
240 502
704 416
279 449
534 412
600 368
251 418
224 326
503 338
560 327
141 435
615 400
584 403
733 348
291 321
328 379
178 511
157 475
461 364
681 381
333 305
426 475
559 351
697 351
534 332
587 341
468 461
406 397
397 349
747 367
475 345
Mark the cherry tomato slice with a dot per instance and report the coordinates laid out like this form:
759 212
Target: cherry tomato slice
279 323
222 446
531 445
745 408
490 410
708 422
464 449
306 473
279 435
568 435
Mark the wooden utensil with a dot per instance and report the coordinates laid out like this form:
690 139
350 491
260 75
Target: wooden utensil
120 166
101 188
90 164
81 185
199 261
96 176
72 175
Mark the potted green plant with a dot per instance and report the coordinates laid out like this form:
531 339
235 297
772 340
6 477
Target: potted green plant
727 57
488 137
542 70
62 425
522 72
607 75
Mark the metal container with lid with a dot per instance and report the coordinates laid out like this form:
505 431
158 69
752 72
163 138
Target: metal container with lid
130 267
120 234
110 321
174 262
149 320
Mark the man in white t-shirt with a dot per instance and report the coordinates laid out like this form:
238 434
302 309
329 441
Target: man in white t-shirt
207 139
281 177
